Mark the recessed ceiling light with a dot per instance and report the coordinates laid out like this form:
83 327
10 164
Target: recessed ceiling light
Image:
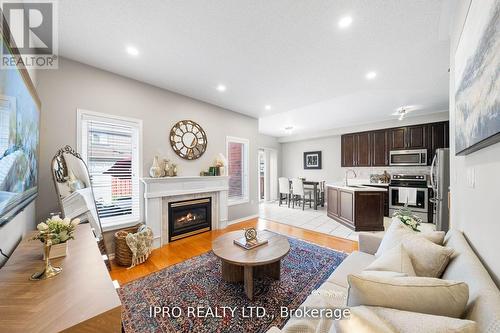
345 22
267 107
370 75
132 51
221 88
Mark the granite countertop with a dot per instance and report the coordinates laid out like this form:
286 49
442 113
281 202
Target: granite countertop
357 188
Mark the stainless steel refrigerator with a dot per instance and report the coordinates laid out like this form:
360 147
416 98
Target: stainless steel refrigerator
440 181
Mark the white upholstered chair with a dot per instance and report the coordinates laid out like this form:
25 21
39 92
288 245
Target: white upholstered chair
284 188
300 193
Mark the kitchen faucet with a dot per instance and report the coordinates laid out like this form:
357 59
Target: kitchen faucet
347 174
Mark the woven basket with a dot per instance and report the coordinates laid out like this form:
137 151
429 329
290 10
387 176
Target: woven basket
123 255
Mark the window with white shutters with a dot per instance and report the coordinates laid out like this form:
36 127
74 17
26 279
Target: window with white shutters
237 168
111 148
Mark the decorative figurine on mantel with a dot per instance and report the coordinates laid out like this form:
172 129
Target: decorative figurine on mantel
166 167
156 171
220 163
173 170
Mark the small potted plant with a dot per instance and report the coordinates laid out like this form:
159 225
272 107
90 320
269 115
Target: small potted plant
406 216
59 231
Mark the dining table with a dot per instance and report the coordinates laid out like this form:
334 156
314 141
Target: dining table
314 185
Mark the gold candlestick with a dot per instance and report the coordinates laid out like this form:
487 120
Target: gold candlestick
49 271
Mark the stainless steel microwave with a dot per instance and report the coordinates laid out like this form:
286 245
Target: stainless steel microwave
408 157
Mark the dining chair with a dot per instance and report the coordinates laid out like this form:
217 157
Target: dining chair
299 193
321 193
284 188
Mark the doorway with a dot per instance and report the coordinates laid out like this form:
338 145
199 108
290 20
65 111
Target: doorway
262 175
267 174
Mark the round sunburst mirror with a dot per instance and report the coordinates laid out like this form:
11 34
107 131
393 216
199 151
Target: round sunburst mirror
188 139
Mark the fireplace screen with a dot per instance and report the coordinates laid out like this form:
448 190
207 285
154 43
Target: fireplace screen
189 217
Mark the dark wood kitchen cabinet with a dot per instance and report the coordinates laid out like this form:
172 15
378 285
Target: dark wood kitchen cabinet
372 148
439 137
386 196
363 149
332 200
380 151
359 210
348 150
397 138
411 137
346 207
416 137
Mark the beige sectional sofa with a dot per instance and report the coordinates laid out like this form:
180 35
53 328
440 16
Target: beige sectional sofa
483 306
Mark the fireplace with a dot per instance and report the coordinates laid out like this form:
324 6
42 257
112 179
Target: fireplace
189 217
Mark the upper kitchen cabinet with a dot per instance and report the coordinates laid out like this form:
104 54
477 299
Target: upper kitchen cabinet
411 137
348 150
416 137
439 137
373 148
380 148
363 149
397 138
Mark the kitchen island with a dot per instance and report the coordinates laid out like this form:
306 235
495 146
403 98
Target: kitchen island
358 207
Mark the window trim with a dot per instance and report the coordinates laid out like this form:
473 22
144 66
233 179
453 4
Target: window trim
80 113
246 176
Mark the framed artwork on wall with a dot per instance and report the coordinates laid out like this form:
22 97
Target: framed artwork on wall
19 133
477 97
312 160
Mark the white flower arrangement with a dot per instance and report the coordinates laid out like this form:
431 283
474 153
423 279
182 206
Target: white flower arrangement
406 216
56 229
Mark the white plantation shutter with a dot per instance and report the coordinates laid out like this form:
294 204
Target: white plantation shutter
110 147
237 157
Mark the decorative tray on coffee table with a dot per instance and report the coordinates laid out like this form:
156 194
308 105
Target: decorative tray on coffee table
248 245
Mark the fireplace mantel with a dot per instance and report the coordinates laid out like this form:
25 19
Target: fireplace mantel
158 192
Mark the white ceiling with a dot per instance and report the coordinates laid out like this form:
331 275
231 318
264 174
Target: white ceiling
289 54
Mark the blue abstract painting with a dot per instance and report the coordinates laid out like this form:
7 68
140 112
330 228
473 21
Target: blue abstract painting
477 79
19 138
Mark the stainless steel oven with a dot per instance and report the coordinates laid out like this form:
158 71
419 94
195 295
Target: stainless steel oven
408 157
411 190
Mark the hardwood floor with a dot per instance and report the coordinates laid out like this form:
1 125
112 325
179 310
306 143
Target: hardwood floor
189 247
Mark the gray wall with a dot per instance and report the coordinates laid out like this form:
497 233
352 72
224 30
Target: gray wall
76 85
474 210
12 232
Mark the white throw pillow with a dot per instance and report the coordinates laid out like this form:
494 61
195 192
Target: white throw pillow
368 319
383 273
393 260
398 231
418 294
428 259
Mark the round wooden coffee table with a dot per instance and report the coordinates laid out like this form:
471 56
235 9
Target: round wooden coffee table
239 264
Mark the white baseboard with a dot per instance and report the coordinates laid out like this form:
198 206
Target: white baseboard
243 219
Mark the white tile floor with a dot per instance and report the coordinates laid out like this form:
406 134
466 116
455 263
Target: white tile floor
311 219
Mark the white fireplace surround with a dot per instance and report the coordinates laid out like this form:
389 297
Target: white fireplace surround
159 192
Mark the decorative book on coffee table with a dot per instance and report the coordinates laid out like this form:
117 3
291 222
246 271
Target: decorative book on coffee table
248 245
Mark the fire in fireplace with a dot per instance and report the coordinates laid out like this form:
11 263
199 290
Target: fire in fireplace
189 217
